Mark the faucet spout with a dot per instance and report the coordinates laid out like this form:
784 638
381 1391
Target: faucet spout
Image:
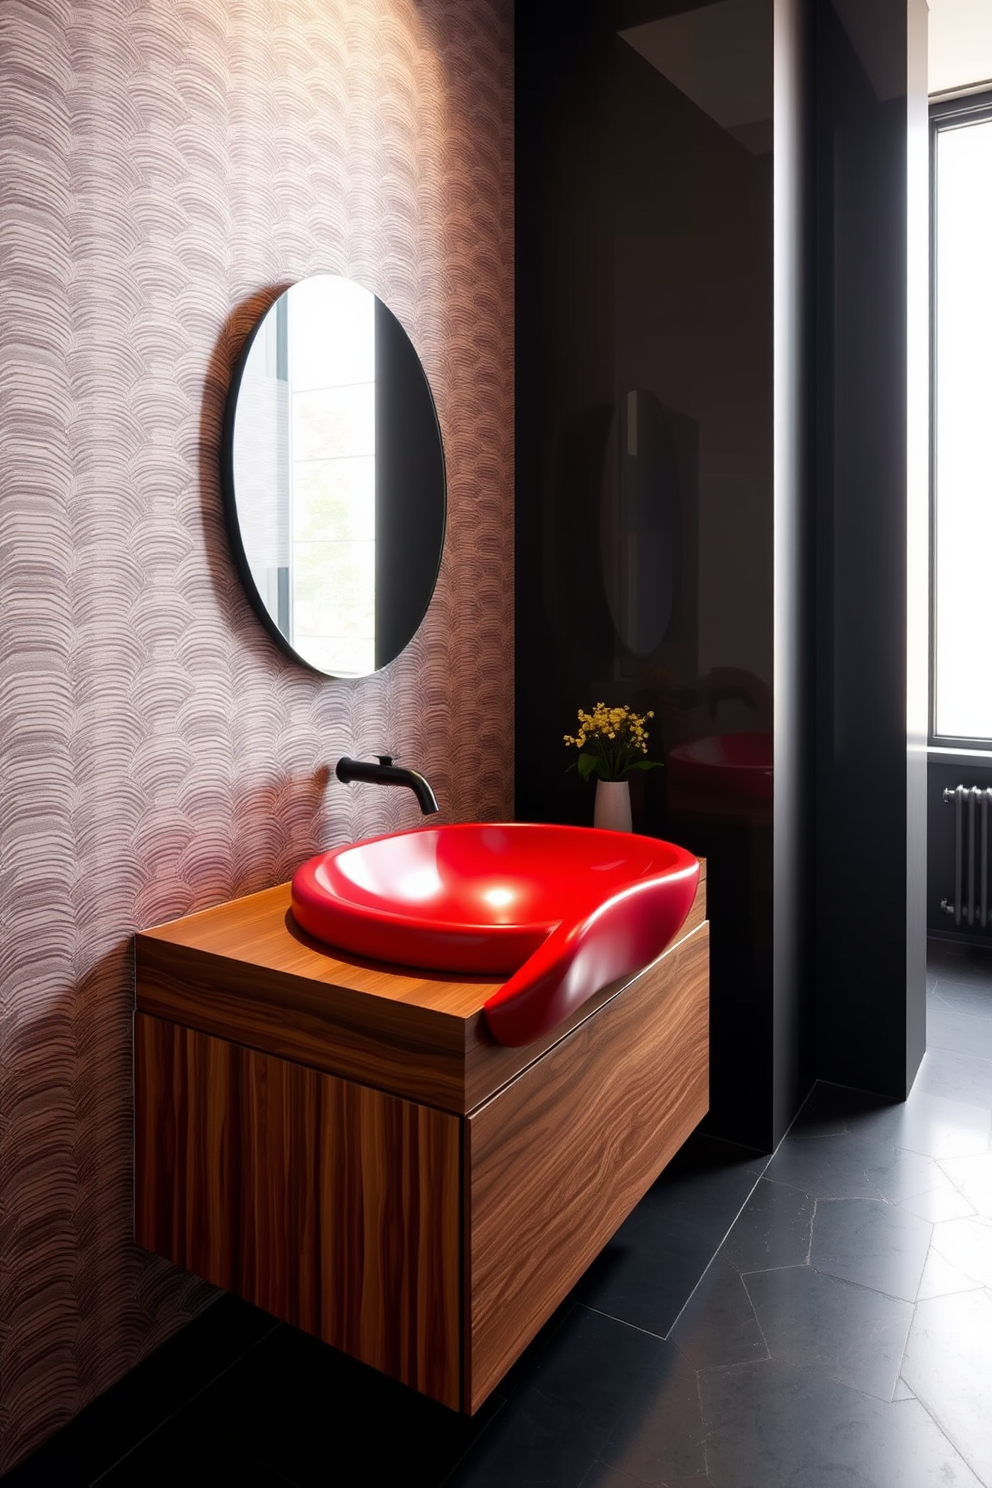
386 773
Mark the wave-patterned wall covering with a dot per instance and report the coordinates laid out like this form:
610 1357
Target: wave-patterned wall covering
167 166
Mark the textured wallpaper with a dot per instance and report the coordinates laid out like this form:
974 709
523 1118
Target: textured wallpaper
166 168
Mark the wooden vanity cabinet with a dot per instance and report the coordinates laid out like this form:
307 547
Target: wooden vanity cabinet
343 1145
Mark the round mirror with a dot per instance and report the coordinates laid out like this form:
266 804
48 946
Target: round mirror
333 477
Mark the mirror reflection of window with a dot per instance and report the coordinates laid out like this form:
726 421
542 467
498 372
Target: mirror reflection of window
332 464
306 432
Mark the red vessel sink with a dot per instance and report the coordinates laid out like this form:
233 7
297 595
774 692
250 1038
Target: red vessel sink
560 911
738 763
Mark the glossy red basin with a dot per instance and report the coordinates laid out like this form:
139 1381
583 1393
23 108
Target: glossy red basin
561 911
738 763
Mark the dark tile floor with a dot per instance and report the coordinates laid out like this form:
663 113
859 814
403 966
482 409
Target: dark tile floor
839 1336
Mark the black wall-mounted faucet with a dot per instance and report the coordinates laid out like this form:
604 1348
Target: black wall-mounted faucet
386 773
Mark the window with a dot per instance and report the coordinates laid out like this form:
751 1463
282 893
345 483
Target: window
961 520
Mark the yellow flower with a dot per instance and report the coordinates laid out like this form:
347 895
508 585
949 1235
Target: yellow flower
612 736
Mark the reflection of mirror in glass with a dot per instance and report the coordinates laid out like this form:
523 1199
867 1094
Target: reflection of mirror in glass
304 471
640 524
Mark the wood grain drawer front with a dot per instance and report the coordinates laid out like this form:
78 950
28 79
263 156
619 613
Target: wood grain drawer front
329 1204
558 1160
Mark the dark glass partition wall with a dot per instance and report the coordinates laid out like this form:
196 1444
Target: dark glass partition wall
722 491
870 487
649 497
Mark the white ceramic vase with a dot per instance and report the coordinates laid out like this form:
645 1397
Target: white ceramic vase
612 809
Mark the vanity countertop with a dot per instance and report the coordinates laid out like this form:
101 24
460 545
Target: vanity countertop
245 971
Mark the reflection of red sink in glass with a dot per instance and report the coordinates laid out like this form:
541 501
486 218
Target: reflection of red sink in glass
561 910
738 763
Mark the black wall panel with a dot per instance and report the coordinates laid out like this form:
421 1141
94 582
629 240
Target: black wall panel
870 826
